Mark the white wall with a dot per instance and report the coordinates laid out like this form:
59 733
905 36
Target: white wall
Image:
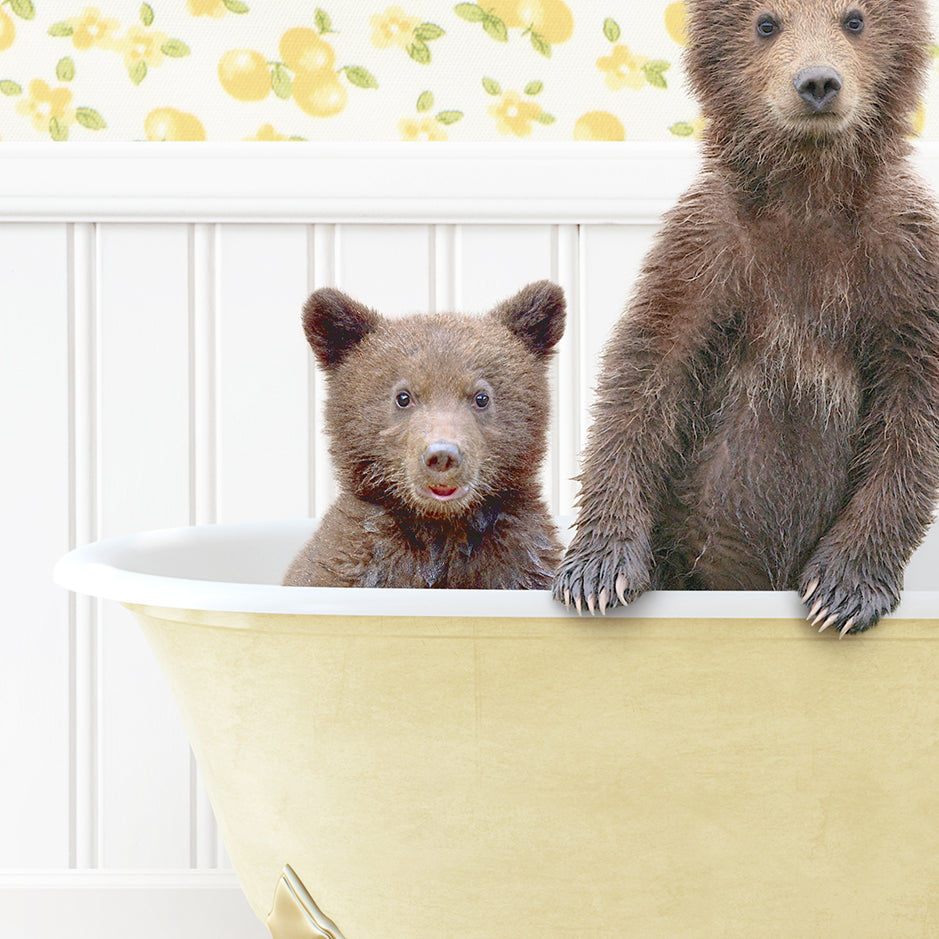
153 373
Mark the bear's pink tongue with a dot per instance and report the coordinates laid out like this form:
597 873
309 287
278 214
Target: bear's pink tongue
443 490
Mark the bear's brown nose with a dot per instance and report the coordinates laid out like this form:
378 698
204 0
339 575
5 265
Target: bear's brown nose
818 86
442 455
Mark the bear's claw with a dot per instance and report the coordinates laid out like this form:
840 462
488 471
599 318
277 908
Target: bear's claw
846 595
599 578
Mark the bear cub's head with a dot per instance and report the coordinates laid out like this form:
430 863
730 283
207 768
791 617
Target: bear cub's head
437 415
820 71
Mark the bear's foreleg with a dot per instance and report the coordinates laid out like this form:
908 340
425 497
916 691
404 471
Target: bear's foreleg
641 422
855 574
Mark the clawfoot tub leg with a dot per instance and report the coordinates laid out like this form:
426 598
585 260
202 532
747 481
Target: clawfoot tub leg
294 914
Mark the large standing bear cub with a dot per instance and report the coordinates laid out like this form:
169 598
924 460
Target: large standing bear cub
768 407
437 430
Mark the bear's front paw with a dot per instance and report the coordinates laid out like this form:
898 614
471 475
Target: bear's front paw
841 594
600 575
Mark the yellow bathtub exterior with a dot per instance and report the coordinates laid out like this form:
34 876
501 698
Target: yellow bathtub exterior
558 778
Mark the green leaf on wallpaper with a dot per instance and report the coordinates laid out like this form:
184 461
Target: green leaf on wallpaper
137 71
933 51
534 88
428 32
281 82
419 51
146 14
58 131
25 10
175 48
495 28
682 129
425 102
611 30
359 76
90 119
323 23
449 117
65 70
61 29
545 118
10 89
653 72
492 86
233 6
471 12
540 44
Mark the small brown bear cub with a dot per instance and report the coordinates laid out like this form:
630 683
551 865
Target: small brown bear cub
768 407
437 428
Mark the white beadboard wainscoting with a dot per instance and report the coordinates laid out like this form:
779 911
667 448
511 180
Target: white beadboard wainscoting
153 373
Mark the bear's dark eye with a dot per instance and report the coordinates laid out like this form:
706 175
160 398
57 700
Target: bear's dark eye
767 26
854 22
403 399
481 400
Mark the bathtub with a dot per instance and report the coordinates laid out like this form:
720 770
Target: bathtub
483 764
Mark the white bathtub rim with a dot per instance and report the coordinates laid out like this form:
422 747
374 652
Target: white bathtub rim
105 569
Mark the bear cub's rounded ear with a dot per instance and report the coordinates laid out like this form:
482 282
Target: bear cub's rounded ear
536 315
334 324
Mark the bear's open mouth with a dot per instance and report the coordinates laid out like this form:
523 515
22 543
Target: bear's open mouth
444 493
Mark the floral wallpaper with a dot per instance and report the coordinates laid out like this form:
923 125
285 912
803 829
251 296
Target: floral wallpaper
418 70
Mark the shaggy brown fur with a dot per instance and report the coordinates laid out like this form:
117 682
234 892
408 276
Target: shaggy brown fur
768 408
437 427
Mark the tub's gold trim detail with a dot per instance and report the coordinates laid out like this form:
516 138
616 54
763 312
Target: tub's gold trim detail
295 915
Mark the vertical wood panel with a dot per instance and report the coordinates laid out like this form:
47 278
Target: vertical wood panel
34 486
566 392
322 272
262 381
612 256
387 267
144 482
84 628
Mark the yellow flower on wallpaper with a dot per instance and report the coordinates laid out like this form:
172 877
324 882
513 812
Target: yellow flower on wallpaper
170 124
514 114
392 28
395 28
46 106
421 128
599 125
625 69
141 45
92 29
622 69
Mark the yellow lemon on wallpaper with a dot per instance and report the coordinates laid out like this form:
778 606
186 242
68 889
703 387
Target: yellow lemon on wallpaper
302 50
599 125
552 20
170 124
676 22
244 74
7 31
507 11
319 93
918 119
